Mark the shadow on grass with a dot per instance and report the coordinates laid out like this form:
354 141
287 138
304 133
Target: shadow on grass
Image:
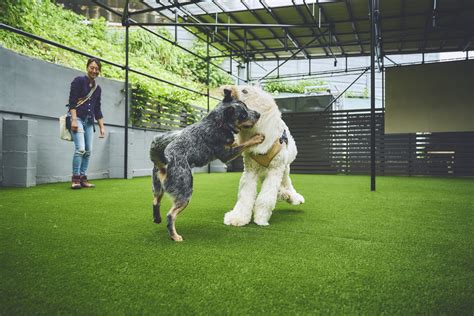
286 215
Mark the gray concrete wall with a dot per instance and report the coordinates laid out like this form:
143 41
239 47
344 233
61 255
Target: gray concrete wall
39 90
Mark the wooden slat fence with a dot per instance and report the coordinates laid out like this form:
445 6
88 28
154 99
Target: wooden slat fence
339 142
163 114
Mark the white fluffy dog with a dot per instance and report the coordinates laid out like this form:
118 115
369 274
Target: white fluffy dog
274 157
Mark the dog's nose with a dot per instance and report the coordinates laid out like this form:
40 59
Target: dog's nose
257 115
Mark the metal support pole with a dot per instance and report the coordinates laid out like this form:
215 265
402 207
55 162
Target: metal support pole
247 79
309 66
372 95
125 153
278 67
176 26
208 73
245 42
247 65
383 84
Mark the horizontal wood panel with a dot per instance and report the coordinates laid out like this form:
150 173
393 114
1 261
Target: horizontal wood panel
339 142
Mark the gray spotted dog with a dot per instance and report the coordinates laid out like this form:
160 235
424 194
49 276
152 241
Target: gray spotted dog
175 153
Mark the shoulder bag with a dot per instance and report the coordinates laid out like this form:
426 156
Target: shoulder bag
65 120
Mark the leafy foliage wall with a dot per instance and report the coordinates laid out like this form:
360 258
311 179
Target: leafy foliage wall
148 54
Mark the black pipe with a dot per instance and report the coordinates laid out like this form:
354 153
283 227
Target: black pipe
125 168
156 10
207 84
372 94
225 25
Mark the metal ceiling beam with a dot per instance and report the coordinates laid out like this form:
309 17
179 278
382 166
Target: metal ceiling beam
289 77
351 43
354 27
331 28
254 14
226 25
316 23
183 10
275 17
378 34
402 24
239 51
342 72
216 30
428 26
466 39
440 12
302 15
464 45
165 7
238 21
414 31
357 54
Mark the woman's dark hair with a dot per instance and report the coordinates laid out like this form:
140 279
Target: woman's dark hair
94 60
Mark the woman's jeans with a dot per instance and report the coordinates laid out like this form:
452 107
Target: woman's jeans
83 139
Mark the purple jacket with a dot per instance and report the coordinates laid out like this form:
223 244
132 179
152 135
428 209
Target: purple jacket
79 89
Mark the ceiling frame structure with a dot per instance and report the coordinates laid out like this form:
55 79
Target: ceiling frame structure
421 26
250 31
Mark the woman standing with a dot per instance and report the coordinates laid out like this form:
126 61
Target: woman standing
84 106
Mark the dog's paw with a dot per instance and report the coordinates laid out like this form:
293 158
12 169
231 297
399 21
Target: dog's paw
176 237
284 195
296 199
261 217
261 222
257 139
234 218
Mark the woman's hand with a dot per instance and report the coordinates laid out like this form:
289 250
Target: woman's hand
101 128
74 126
101 132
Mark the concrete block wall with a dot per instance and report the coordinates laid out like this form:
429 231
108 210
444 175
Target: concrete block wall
19 153
117 154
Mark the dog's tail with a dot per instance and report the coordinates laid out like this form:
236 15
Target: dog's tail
158 192
158 146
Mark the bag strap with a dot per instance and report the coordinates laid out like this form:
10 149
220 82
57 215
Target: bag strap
87 97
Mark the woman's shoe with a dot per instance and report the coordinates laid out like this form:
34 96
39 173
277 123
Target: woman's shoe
85 184
76 182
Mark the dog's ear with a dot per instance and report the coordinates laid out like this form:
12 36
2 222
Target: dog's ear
227 95
229 113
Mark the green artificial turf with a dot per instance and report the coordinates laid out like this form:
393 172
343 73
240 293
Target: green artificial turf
405 249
